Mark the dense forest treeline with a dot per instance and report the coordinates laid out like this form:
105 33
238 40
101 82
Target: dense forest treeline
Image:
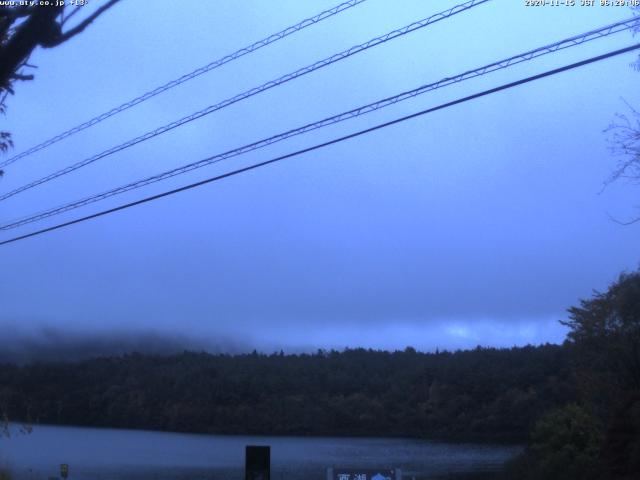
576 406
484 394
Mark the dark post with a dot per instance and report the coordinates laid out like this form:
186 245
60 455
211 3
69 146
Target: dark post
257 463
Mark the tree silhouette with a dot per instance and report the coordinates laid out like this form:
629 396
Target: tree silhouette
624 140
625 143
605 337
23 28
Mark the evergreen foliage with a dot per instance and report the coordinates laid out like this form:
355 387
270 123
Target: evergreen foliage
484 394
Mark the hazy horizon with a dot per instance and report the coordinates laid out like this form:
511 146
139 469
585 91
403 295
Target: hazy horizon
51 345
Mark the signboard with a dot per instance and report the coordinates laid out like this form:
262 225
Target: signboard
64 470
362 474
257 463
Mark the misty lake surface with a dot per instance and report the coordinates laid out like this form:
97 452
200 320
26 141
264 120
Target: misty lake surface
142 455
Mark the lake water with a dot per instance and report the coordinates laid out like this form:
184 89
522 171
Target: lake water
98 454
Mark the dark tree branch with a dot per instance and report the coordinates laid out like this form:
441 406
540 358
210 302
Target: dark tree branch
63 37
68 17
624 141
14 13
24 28
19 76
39 27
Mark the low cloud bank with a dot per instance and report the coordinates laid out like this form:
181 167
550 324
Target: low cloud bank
49 344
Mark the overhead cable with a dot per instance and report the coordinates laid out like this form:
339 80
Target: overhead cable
371 107
328 143
185 78
249 93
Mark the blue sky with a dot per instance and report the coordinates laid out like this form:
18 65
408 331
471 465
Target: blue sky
478 224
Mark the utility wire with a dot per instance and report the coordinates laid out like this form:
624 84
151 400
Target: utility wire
330 142
184 78
371 107
254 91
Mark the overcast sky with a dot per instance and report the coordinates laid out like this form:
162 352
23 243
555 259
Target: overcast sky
478 224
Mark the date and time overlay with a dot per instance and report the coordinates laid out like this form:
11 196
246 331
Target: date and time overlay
582 3
527 3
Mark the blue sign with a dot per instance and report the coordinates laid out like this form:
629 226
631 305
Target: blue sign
362 474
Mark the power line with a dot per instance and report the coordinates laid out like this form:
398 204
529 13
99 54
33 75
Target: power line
254 91
330 142
499 65
184 78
